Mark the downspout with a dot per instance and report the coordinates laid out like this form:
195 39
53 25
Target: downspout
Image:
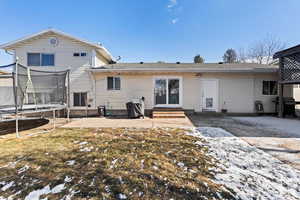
93 64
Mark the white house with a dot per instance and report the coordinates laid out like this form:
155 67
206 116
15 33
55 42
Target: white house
97 80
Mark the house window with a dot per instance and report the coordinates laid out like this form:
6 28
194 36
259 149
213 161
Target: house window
80 99
40 59
113 83
82 54
269 87
47 60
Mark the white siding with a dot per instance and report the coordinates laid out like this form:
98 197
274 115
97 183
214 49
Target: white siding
236 95
80 80
238 91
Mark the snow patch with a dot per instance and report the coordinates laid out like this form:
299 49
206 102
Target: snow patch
35 195
248 171
8 185
87 149
122 196
58 188
83 143
23 169
70 162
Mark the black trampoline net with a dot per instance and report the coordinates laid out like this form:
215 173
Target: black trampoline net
35 89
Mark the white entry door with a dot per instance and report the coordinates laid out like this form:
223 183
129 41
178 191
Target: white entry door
167 91
210 90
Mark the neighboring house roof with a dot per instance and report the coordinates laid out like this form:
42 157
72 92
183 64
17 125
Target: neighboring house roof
99 48
186 67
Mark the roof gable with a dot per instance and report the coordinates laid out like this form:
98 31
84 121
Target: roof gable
102 50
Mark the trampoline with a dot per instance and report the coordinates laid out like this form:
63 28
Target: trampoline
26 90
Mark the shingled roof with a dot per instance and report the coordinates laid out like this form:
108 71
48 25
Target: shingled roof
187 67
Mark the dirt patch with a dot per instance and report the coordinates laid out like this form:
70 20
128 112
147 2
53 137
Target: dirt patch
9 126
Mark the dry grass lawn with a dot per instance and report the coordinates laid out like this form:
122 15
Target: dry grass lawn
108 164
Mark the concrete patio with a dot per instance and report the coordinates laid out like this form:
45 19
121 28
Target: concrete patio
128 123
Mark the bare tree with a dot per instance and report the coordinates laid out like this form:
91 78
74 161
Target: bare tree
257 52
262 51
242 57
272 46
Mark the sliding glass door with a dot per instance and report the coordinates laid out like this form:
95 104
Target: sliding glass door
167 92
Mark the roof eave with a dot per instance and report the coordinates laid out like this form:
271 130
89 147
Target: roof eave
271 70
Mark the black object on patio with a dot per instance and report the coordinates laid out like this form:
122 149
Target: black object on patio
289 104
135 110
102 111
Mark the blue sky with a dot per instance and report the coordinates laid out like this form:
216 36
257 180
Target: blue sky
156 30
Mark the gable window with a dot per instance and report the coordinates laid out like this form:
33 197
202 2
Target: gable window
80 99
77 54
40 59
113 83
269 88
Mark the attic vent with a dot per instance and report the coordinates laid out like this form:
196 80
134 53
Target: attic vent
141 62
177 62
53 41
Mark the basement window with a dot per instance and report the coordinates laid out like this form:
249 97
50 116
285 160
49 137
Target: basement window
269 88
113 83
80 98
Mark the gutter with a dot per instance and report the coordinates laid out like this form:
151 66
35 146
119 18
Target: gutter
238 70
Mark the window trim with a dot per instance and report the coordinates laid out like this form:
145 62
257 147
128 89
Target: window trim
114 83
269 88
80 99
40 54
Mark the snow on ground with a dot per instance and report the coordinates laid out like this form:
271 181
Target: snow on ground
289 126
248 171
35 195
70 162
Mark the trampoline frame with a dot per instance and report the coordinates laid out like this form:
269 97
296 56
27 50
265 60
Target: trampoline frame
31 109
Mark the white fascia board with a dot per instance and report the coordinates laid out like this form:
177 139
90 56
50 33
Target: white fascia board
243 70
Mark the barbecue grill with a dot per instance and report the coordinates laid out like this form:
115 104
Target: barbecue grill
289 105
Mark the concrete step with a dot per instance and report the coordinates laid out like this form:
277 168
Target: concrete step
168 116
168 112
167 109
